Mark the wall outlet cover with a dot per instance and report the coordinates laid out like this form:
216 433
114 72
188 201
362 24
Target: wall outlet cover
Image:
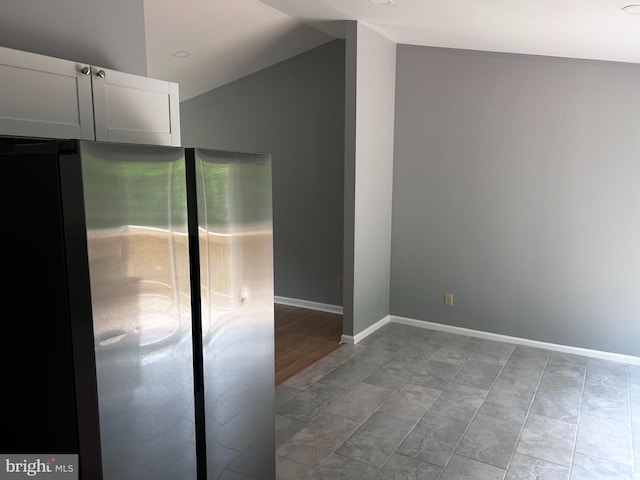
448 299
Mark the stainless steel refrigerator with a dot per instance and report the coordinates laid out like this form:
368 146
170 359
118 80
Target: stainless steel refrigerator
167 266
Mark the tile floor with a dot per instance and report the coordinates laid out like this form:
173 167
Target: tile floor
411 403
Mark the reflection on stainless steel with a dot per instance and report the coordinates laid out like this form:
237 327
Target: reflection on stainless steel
136 214
135 203
236 245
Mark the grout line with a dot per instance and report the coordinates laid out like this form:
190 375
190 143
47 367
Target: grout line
416 422
476 412
634 468
361 423
462 366
376 410
526 417
306 424
575 442
453 452
523 423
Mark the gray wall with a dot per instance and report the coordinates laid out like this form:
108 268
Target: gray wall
295 111
106 33
516 187
370 96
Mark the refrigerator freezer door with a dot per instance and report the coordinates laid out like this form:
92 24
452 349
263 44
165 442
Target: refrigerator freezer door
236 270
38 403
136 215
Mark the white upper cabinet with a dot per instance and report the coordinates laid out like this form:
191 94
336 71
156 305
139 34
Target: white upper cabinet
49 97
44 97
134 109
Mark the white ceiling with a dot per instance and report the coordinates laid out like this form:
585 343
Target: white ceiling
228 39
233 38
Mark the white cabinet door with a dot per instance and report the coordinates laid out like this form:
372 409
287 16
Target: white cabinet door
42 96
133 109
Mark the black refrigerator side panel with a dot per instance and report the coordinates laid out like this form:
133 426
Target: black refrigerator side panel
38 399
81 317
49 400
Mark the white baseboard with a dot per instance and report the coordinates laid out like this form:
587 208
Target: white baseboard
615 357
321 307
366 332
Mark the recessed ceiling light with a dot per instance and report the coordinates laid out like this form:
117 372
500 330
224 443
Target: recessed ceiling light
182 53
632 9
381 2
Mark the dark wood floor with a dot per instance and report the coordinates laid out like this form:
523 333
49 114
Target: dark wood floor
303 337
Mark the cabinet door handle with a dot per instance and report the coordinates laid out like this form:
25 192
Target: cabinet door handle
85 70
101 73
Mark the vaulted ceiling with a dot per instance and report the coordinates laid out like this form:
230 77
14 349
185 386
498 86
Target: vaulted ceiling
229 39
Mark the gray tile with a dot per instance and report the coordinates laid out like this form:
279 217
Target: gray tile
563 374
505 402
634 399
308 376
395 334
532 356
284 394
477 374
558 401
360 402
377 335
461 468
568 358
497 353
436 374
399 467
379 352
521 377
392 375
422 364
289 470
497 410
337 467
433 439
586 467
604 438
350 373
605 402
455 352
311 402
390 335
523 467
635 432
415 356
231 475
607 374
440 338
315 442
490 440
286 428
459 401
411 335
410 402
341 355
548 439
376 439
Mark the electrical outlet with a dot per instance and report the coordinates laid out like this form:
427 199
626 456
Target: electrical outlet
448 299
340 284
